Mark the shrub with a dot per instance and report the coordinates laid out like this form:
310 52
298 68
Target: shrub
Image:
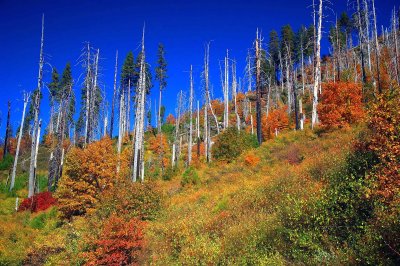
231 143
39 202
6 162
190 177
88 172
277 119
128 199
340 104
383 121
251 159
120 243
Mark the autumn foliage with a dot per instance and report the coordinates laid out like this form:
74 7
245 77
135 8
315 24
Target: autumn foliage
277 119
340 104
170 119
88 172
120 243
251 159
39 202
384 122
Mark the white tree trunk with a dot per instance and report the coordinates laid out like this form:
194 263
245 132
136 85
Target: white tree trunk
21 128
88 92
234 88
317 77
190 118
36 123
138 153
226 91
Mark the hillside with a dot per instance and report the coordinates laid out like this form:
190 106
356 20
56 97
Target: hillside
263 208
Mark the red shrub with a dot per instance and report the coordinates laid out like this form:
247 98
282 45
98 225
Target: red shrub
38 202
120 243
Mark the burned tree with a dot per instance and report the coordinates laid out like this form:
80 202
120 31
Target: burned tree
36 123
21 130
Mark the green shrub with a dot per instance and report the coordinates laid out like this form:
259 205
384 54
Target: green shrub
231 143
190 177
7 162
168 173
38 222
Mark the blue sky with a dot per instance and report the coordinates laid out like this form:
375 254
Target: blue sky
182 26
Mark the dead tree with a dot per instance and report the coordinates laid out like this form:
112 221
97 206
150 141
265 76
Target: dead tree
114 99
198 129
21 128
396 47
8 130
175 146
377 54
36 123
190 117
35 183
258 87
317 72
225 87
234 94
138 152
57 156
88 83
207 138
94 119
367 39
362 40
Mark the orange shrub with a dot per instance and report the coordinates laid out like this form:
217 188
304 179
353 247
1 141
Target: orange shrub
251 159
277 119
340 104
87 172
383 121
218 108
120 243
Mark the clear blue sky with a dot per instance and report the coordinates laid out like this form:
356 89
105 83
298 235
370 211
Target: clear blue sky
183 26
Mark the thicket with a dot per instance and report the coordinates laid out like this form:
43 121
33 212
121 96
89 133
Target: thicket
231 143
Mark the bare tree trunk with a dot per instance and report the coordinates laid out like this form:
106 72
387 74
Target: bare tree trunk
207 141
8 129
302 117
36 122
361 38
138 153
190 117
258 88
35 159
302 67
114 96
226 92
175 155
234 94
317 78
366 16
93 122
21 128
249 72
376 49
396 48
198 129
88 92
128 109
213 113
